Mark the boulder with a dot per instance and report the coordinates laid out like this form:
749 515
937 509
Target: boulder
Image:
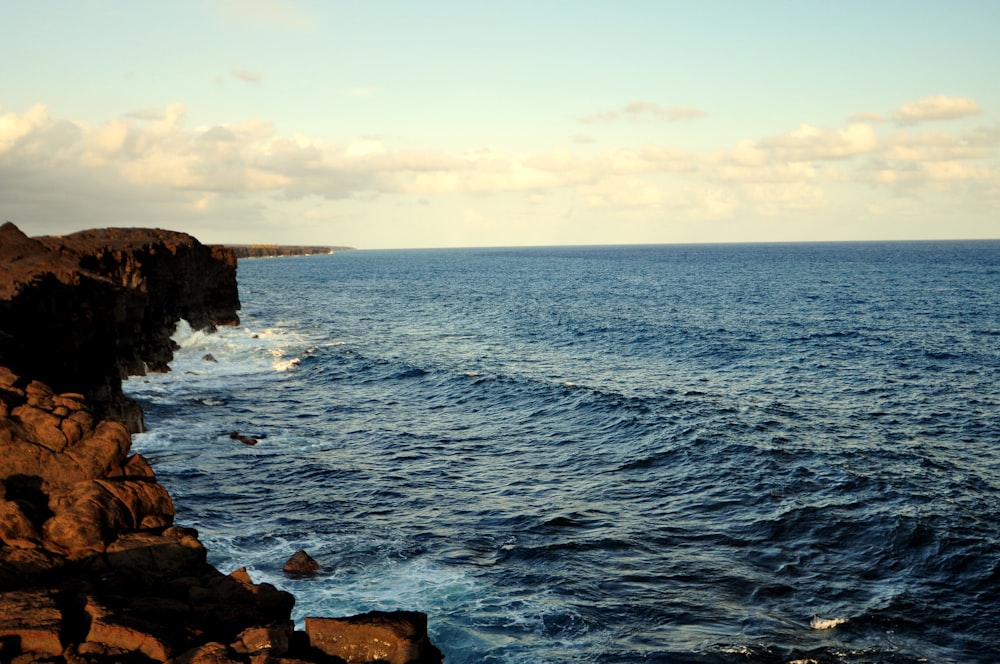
300 563
396 637
114 634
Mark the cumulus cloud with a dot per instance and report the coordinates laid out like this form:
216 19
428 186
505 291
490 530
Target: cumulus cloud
940 107
161 167
807 143
644 110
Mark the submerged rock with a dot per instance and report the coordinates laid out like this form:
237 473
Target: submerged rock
246 440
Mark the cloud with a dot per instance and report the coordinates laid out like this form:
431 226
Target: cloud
643 110
156 165
14 127
247 76
940 107
808 143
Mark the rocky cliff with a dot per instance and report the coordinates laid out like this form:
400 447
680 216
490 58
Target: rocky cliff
80 312
92 568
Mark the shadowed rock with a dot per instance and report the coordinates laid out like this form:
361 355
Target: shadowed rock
80 312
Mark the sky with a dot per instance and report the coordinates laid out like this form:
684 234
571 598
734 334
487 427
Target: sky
397 124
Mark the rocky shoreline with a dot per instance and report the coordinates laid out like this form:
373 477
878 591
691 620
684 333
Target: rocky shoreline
92 568
279 250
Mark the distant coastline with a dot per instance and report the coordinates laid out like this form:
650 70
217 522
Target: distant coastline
274 250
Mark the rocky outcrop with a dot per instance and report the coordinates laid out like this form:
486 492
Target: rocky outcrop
93 569
82 311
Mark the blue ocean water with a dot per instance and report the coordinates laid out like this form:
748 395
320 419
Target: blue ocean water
728 453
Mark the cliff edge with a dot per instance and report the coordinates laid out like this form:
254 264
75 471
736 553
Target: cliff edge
80 312
93 569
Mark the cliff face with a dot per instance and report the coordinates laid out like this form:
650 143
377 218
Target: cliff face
92 568
82 311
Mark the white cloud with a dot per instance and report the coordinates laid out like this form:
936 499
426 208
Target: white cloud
940 107
809 143
160 166
14 127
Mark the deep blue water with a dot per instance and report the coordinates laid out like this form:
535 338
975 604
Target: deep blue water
742 453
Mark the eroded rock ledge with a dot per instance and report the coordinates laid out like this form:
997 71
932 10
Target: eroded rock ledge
92 568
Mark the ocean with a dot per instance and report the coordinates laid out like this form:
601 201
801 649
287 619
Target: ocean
705 453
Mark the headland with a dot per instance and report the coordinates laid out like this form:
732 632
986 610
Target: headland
93 569
277 250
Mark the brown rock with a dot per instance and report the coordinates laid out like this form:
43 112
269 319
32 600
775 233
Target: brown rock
274 639
398 637
90 514
300 563
72 431
114 633
153 558
241 576
137 466
16 529
209 653
80 311
71 401
20 566
41 427
148 503
39 395
31 619
246 440
97 454
7 377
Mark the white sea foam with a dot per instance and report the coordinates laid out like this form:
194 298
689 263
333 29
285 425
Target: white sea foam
185 337
826 623
285 364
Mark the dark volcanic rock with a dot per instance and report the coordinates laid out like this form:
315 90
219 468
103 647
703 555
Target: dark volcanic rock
82 311
92 569
300 563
